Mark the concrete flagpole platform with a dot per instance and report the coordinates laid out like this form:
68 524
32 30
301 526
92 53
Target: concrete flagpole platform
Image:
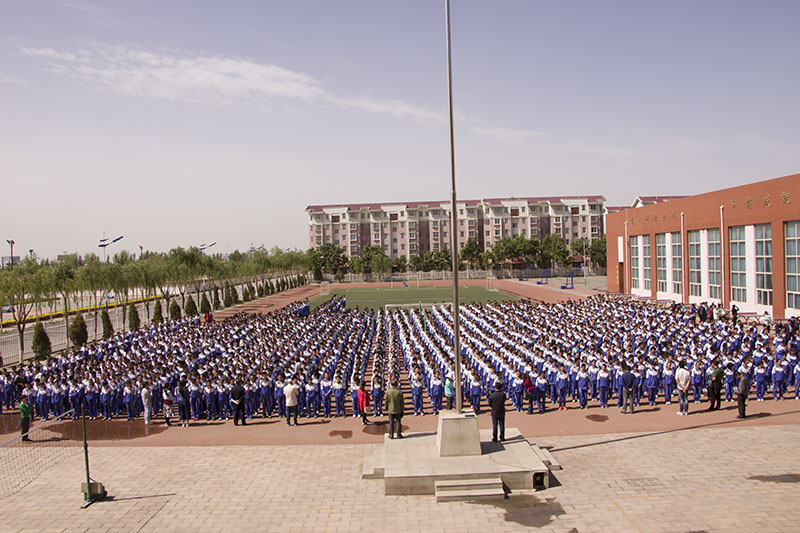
415 465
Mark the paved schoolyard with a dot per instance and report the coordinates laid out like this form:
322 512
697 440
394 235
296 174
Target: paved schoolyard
707 479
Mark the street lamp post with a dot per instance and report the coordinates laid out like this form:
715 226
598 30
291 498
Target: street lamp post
584 261
11 259
453 217
106 242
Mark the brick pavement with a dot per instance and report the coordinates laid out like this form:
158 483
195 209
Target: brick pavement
695 480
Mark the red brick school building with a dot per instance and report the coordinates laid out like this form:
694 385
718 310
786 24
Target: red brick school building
734 246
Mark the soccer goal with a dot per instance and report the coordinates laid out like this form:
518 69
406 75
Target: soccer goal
408 307
324 288
491 284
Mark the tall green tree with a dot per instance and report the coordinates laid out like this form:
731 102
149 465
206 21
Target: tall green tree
217 304
108 328
64 283
328 258
78 332
23 287
553 250
597 251
227 298
579 246
399 264
470 252
205 305
133 317
158 314
191 307
380 263
41 341
174 311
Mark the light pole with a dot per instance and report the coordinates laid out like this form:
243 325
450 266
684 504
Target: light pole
584 262
106 242
11 260
453 216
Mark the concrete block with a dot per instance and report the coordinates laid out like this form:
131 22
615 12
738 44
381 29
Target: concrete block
458 435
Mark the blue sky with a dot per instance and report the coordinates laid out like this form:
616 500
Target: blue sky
183 122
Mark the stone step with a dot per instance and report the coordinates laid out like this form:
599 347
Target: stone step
546 457
459 485
470 495
373 466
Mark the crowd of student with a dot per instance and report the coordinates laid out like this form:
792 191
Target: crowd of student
540 353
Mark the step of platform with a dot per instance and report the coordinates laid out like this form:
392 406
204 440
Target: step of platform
470 489
373 466
546 457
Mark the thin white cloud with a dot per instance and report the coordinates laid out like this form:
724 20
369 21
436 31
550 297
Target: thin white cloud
51 53
510 136
395 108
10 80
597 149
100 16
219 80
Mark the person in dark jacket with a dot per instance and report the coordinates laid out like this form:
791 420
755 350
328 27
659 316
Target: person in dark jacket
628 382
237 398
182 393
744 388
715 386
497 403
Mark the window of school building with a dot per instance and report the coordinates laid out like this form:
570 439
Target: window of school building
661 262
738 264
695 284
635 262
714 264
764 264
792 232
677 264
646 260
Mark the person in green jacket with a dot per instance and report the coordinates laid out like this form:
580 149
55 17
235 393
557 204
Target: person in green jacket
25 410
394 408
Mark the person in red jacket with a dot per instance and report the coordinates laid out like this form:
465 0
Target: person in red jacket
363 401
528 384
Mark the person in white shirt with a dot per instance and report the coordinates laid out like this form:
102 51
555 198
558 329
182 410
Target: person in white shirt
683 380
147 401
291 391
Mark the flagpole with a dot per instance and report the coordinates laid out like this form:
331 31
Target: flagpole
453 216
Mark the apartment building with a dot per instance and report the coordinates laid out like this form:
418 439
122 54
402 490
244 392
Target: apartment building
415 228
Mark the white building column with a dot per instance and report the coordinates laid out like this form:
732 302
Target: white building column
704 264
750 264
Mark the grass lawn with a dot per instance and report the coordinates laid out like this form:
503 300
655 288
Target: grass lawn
377 298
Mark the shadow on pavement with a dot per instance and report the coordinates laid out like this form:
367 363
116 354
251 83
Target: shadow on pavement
652 434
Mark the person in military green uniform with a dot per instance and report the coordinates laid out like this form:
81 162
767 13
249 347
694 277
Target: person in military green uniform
394 408
25 410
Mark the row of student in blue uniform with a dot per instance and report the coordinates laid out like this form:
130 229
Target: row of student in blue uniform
207 398
483 367
596 382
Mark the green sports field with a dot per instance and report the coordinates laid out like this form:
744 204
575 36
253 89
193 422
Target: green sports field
377 298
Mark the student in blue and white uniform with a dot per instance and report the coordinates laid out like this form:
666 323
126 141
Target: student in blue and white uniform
339 396
778 378
562 386
326 391
603 385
